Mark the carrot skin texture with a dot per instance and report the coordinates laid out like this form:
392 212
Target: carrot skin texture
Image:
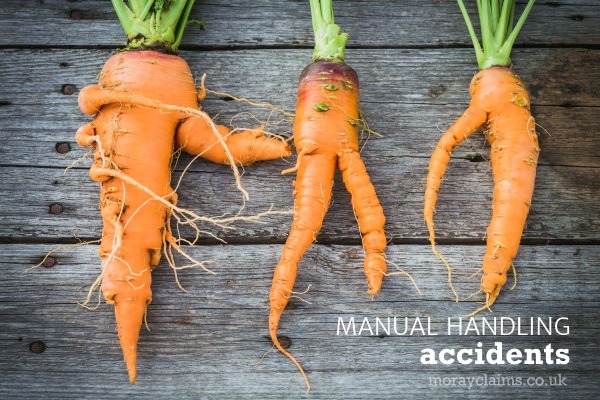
514 154
131 133
195 137
326 136
335 132
140 142
501 103
310 207
369 214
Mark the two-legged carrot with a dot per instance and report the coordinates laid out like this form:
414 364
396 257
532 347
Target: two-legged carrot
146 103
499 104
326 138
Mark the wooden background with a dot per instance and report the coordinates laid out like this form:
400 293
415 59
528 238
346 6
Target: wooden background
415 63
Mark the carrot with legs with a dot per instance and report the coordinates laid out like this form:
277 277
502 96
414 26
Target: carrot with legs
499 104
146 103
326 136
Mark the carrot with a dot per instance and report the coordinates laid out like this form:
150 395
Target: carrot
500 104
146 103
326 136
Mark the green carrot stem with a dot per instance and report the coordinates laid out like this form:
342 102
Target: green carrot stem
153 23
330 44
498 34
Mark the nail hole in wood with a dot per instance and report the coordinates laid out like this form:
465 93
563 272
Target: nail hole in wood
76 15
49 262
56 208
68 89
285 341
37 347
62 147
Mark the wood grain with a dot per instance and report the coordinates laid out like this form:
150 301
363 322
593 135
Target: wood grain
415 62
239 23
206 343
407 97
403 101
564 207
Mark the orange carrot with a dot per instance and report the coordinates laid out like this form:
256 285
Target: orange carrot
499 103
146 103
326 135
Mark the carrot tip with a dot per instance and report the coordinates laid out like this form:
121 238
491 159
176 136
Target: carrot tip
131 368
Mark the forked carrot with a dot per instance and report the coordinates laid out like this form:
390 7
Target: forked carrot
500 104
326 136
146 103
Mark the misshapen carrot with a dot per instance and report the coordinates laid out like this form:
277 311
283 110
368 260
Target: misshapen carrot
139 142
326 137
500 103
146 103
135 141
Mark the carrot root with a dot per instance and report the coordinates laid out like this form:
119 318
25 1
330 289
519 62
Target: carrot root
129 314
326 137
275 339
500 102
464 126
252 103
369 214
195 137
133 136
93 97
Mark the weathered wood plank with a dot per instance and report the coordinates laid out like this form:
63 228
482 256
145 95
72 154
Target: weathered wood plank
565 205
257 23
407 98
567 181
408 131
206 343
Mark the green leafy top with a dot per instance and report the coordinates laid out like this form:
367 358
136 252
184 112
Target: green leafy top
152 23
497 32
329 43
